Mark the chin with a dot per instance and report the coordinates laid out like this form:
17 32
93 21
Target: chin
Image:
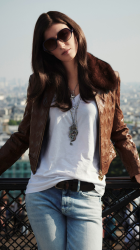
69 58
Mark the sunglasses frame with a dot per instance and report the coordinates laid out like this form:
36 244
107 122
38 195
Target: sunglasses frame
71 30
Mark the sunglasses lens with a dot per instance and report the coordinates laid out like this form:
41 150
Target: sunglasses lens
50 44
64 35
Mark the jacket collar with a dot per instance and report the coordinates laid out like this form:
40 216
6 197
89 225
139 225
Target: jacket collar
102 74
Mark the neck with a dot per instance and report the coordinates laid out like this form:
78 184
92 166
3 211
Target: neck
72 73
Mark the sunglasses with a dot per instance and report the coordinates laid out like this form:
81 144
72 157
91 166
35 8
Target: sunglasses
63 35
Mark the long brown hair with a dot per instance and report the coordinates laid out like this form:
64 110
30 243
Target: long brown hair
49 72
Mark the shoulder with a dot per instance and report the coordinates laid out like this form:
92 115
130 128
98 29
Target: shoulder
117 75
117 91
102 74
118 82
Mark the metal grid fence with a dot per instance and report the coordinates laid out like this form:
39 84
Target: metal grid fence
121 215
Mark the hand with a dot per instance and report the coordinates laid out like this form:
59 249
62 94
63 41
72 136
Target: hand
137 176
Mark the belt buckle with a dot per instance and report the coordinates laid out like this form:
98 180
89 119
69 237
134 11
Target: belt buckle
66 186
57 187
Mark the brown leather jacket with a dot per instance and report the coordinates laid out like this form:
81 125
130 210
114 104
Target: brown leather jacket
113 132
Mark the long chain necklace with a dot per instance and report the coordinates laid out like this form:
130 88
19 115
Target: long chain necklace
73 92
73 131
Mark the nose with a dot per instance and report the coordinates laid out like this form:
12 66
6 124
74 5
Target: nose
60 44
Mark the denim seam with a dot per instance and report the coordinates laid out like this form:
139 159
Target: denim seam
67 238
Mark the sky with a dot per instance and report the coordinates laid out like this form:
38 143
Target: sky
112 30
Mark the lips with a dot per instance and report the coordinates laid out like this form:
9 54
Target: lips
65 52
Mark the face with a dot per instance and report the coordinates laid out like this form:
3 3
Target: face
65 51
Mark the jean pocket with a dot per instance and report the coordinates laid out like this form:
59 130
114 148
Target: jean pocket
90 194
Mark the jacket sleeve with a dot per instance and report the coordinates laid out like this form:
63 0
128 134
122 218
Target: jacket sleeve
18 143
123 142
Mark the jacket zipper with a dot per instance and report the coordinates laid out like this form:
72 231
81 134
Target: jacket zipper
100 176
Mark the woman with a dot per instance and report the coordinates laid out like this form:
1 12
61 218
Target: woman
70 121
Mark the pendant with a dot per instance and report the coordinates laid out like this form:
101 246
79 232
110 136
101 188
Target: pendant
73 132
72 97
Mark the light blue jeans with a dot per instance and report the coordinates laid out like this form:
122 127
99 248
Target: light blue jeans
65 220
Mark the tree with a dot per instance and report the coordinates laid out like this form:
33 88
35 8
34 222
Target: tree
13 122
117 168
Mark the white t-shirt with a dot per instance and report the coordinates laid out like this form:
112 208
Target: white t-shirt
61 161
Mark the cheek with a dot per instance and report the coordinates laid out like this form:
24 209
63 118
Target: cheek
76 46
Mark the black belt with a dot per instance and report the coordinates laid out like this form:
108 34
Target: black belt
72 185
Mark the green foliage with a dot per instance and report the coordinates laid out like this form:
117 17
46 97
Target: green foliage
13 122
117 168
129 122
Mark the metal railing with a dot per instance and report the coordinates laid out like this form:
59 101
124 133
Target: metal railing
121 215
